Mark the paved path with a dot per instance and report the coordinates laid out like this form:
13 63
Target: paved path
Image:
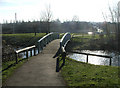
39 70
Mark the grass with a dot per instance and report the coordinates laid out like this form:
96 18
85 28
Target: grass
89 42
7 73
22 40
83 75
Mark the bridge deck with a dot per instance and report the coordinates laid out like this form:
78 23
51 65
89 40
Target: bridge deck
39 70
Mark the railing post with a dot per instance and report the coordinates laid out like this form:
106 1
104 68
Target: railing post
16 55
57 65
110 61
87 58
41 46
26 53
34 51
63 57
45 41
38 47
31 52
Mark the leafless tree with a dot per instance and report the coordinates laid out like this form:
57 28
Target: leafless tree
106 25
75 18
114 19
46 16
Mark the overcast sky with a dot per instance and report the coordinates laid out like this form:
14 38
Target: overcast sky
86 10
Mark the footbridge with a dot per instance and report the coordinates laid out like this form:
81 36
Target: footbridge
42 66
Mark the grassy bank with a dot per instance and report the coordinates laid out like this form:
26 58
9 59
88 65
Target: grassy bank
22 40
7 73
82 75
90 42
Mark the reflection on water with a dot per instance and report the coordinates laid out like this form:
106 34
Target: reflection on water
95 59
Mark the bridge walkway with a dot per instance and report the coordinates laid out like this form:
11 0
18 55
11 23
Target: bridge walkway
39 70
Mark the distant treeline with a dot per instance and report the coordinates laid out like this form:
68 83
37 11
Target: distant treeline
41 27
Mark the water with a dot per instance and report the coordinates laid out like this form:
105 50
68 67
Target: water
23 54
95 59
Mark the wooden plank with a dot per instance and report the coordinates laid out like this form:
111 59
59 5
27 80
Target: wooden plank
24 49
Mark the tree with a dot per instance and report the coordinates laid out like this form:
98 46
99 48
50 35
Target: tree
75 18
46 16
114 16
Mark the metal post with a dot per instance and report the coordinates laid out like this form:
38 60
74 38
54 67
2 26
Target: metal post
34 51
31 52
26 53
16 58
38 47
57 65
110 61
87 59
41 46
63 57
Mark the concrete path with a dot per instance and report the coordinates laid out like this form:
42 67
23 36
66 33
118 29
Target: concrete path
39 70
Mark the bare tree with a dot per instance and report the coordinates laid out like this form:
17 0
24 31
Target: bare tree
75 18
46 16
106 25
114 25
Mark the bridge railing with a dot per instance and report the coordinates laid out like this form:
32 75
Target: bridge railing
32 49
62 53
45 40
65 39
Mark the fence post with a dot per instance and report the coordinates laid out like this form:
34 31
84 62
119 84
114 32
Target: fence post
31 52
38 47
26 53
110 61
16 58
87 58
34 51
63 57
57 65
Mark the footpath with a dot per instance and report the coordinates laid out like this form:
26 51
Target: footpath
39 70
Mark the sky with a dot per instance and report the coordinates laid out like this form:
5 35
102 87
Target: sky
65 10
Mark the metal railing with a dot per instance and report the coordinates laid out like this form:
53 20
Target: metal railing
45 40
62 53
65 39
39 46
105 56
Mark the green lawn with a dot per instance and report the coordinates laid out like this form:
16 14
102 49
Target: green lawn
82 75
22 40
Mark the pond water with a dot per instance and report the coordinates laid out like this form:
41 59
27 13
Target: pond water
23 54
95 59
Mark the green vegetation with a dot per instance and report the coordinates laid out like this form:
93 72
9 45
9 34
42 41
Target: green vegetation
7 73
82 75
92 42
17 40
22 40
